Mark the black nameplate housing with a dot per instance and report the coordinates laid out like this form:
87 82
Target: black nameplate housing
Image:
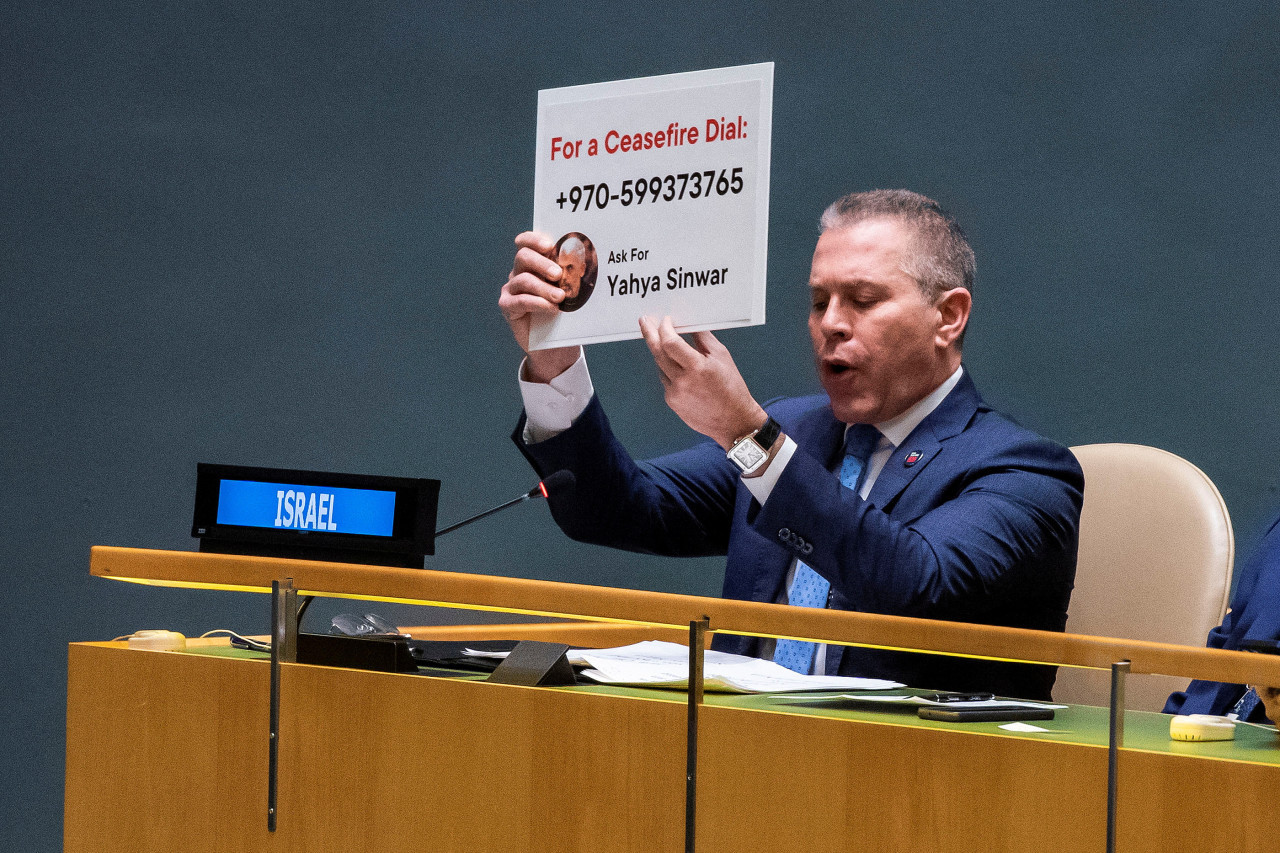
315 515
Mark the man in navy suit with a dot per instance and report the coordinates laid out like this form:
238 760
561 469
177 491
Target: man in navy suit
1254 615
958 513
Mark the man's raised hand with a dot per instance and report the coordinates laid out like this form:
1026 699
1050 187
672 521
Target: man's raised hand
530 292
703 385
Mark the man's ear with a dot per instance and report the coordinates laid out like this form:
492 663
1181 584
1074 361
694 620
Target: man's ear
953 315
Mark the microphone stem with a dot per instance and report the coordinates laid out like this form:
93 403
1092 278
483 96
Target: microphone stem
485 514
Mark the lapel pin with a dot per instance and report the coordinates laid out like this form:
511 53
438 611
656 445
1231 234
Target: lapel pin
912 458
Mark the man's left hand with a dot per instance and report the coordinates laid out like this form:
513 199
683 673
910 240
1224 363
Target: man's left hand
703 385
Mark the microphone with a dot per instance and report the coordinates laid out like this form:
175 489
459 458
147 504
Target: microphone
562 480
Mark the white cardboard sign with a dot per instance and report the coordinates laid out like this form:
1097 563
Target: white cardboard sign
657 190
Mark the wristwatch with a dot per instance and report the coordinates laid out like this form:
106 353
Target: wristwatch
751 452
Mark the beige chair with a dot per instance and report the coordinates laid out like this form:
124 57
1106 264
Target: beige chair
1156 551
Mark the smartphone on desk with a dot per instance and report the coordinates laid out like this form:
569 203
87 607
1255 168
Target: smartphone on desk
988 714
958 697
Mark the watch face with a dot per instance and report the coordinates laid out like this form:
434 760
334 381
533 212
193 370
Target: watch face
747 454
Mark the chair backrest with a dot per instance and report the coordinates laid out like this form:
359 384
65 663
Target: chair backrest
1156 553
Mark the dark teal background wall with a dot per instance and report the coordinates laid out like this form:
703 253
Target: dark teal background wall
273 233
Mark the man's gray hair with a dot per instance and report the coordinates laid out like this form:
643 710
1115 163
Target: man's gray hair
941 259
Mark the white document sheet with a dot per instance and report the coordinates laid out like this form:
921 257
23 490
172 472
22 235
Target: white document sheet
655 663
1026 728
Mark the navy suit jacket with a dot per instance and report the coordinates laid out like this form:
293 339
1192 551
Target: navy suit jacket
980 526
1254 615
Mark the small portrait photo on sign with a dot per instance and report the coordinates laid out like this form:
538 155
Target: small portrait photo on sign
576 255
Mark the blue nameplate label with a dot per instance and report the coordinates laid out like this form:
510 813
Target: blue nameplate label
283 505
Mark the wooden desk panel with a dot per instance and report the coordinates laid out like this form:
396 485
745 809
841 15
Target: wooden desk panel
1171 803
165 752
407 763
892 787
168 752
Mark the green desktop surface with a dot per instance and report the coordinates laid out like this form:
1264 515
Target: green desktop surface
1144 731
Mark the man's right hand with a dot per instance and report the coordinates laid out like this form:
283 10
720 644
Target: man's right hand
531 291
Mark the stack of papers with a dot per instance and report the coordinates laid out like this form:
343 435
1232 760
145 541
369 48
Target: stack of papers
660 664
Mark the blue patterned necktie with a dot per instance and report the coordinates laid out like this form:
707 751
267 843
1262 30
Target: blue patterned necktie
810 589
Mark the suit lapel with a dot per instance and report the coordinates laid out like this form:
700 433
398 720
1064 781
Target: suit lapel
897 474
925 442
826 440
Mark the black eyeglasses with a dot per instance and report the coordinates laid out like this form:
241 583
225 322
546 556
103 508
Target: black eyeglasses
368 625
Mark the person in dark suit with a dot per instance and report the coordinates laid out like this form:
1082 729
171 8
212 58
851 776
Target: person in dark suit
950 511
1254 615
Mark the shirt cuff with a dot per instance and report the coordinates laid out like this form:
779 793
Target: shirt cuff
550 408
761 487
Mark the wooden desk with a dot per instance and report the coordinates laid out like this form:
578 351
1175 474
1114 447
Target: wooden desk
168 751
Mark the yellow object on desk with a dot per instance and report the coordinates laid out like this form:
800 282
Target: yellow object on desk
1198 727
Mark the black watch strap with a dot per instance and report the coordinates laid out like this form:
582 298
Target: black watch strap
768 434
